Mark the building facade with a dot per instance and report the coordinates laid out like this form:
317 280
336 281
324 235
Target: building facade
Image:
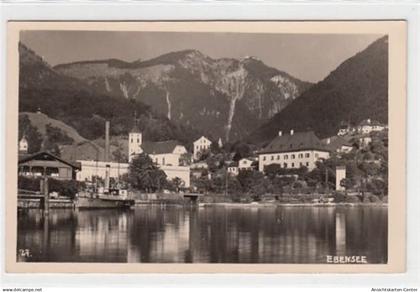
23 145
45 163
367 126
293 150
134 143
200 145
91 168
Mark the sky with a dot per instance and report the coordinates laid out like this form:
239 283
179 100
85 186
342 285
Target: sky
309 57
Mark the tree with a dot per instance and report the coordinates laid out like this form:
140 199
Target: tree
144 175
242 150
177 183
272 170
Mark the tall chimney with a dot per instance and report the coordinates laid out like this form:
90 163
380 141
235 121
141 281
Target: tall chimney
280 133
106 141
292 132
107 167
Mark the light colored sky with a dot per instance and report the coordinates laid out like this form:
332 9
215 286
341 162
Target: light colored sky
309 57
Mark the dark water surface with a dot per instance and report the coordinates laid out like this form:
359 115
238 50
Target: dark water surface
215 234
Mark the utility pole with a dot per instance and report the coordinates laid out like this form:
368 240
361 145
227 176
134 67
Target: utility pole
326 180
226 181
44 190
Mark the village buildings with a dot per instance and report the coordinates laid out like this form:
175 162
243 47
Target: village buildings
337 144
165 154
199 146
293 150
367 126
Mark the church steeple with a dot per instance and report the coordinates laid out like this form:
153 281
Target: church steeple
134 140
136 128
23 145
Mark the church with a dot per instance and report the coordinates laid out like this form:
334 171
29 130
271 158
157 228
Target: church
167 155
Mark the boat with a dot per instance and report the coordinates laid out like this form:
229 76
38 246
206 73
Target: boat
104 197
114 198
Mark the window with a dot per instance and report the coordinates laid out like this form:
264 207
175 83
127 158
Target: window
293 164
138 140
272 157
293 156
131 140
300 164
300 155
307 164
163 160
278 157
285 165
307 155
286 157
263 158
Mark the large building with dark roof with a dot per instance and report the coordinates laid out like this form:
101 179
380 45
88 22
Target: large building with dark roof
293 150
44 163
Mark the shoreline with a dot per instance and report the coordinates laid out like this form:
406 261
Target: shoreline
293 204
267 204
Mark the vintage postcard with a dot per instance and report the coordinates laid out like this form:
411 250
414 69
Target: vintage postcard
202 147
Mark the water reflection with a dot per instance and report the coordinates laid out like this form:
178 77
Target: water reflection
213 234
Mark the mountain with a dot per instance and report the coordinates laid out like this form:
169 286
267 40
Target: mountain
356 90
79 105
42 123
225 97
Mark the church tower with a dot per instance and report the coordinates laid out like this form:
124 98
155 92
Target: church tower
134 140
23 145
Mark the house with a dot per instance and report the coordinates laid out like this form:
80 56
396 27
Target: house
293 150
45 163
337 144
164 152
367 126
199 146
247 163
364 140
233 169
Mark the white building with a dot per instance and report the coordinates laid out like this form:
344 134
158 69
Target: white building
199 146
337 144
167 156
165 152
134 142
245 163
367 126
92 168
23 145
293 150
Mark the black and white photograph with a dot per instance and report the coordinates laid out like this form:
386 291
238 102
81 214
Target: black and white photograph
202 147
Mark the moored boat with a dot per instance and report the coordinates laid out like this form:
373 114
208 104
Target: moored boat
115 198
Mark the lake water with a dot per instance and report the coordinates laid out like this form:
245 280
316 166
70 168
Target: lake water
215 234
